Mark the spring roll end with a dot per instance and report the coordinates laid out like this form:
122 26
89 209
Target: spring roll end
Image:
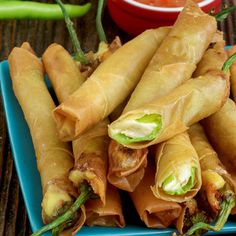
98 186
133 128
53 202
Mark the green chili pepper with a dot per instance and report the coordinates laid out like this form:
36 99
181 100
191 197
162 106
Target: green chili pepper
38 10
226 206
79 54
85 193
100 30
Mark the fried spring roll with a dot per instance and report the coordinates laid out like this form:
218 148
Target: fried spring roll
172 114
172 64
178 172
105 215
54 158
212 59
107 87
126 166
231 51
90 150
154 212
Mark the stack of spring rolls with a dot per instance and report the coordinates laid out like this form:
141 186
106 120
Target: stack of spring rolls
171 146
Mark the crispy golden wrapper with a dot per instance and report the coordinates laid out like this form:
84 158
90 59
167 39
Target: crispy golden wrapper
62 71
126 166
90 153
105 215
54 158
213 59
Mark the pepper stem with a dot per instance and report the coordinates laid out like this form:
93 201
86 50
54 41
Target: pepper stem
100 30
228 63
220 16
80 56
85 193
226 206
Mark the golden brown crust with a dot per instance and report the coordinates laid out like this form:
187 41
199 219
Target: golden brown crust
90 154
126 166
54 158
62 71
109 214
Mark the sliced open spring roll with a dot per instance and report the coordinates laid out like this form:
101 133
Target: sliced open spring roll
107 87
172 64
54 158
163 118
154 212
109 214
178 172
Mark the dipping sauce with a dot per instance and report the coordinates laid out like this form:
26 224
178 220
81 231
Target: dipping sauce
165 3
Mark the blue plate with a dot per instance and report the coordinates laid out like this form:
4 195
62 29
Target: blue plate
25 162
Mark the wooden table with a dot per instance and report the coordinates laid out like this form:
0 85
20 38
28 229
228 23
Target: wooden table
40 34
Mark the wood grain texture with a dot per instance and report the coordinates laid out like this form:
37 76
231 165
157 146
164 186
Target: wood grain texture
40 34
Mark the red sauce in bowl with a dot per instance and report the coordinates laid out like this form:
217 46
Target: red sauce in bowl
165 3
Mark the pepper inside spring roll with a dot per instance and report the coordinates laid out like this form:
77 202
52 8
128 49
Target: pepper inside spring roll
109 214
54 158
178 172
107 87
218 190
163 118
172 64
154 212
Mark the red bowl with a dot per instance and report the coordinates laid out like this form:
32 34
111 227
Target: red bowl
134 17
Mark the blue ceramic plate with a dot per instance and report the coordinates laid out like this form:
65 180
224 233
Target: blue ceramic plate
25 162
